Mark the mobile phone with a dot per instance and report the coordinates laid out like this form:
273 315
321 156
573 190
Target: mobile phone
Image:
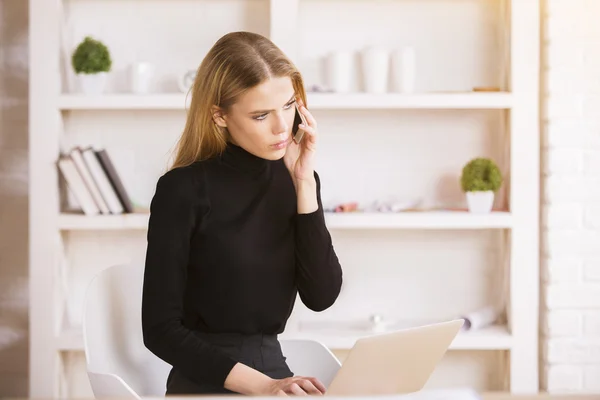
298 133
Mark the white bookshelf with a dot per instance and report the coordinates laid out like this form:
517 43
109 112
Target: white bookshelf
56 112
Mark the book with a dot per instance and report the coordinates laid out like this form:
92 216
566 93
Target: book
76 185
77 157
93 181
102 181
113 176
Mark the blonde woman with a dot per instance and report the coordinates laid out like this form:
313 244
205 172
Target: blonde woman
237 229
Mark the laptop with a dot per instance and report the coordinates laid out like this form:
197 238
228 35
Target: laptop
397 362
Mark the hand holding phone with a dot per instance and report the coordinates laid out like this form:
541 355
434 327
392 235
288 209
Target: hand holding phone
299 156
297 133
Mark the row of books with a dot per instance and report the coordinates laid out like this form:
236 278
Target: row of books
93 181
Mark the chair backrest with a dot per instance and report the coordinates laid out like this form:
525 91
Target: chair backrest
112 335
310 358
120 365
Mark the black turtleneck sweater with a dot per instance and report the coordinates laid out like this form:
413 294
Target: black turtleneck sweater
228 252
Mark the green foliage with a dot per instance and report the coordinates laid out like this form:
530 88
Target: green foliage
90 57
480 174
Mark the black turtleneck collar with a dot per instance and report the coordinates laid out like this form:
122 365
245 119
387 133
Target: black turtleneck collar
238 157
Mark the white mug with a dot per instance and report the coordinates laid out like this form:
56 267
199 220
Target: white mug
141 74
375 68
403 70
339 68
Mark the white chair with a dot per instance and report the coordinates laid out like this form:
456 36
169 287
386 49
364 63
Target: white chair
118 363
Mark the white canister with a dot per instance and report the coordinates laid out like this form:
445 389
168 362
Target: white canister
339 66
141 74
375 69
404 70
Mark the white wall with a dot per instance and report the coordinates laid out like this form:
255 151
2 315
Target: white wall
13 198
571 228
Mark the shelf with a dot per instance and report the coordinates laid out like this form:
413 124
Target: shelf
178 101
419 220
405 220
492 338
170 101
74 222
475 100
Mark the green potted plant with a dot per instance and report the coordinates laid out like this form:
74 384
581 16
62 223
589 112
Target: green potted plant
480 179
91 61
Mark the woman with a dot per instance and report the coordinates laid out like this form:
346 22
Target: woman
237 229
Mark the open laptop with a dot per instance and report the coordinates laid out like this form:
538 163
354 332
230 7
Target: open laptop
398 362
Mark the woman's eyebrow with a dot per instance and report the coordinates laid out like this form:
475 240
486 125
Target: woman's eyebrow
266 111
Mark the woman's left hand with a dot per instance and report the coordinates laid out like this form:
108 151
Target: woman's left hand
300 158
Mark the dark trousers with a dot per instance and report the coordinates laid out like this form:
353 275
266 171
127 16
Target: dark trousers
260 351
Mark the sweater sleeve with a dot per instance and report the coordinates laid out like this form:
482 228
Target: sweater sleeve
175 209
318 270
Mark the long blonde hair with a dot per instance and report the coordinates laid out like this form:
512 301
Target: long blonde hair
237 62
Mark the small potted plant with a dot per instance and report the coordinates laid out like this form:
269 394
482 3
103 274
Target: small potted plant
480 179
91 61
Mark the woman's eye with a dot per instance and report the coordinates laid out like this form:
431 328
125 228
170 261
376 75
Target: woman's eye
263 116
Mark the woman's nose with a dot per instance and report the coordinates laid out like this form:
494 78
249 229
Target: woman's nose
280 126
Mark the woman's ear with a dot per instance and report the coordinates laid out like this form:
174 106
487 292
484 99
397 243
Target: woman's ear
218 117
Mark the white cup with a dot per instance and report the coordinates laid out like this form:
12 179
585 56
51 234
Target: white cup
375 68
339 68
403 70
141 74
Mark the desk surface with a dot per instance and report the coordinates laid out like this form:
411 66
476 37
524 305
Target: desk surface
483 396
540 396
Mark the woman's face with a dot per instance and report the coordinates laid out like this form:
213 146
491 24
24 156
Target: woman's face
261 120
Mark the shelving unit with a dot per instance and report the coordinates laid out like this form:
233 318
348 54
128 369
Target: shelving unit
56 112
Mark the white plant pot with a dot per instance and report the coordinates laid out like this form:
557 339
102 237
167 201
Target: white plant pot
92 83
480 202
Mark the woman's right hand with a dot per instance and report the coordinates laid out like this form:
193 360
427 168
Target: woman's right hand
245 380
295 386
